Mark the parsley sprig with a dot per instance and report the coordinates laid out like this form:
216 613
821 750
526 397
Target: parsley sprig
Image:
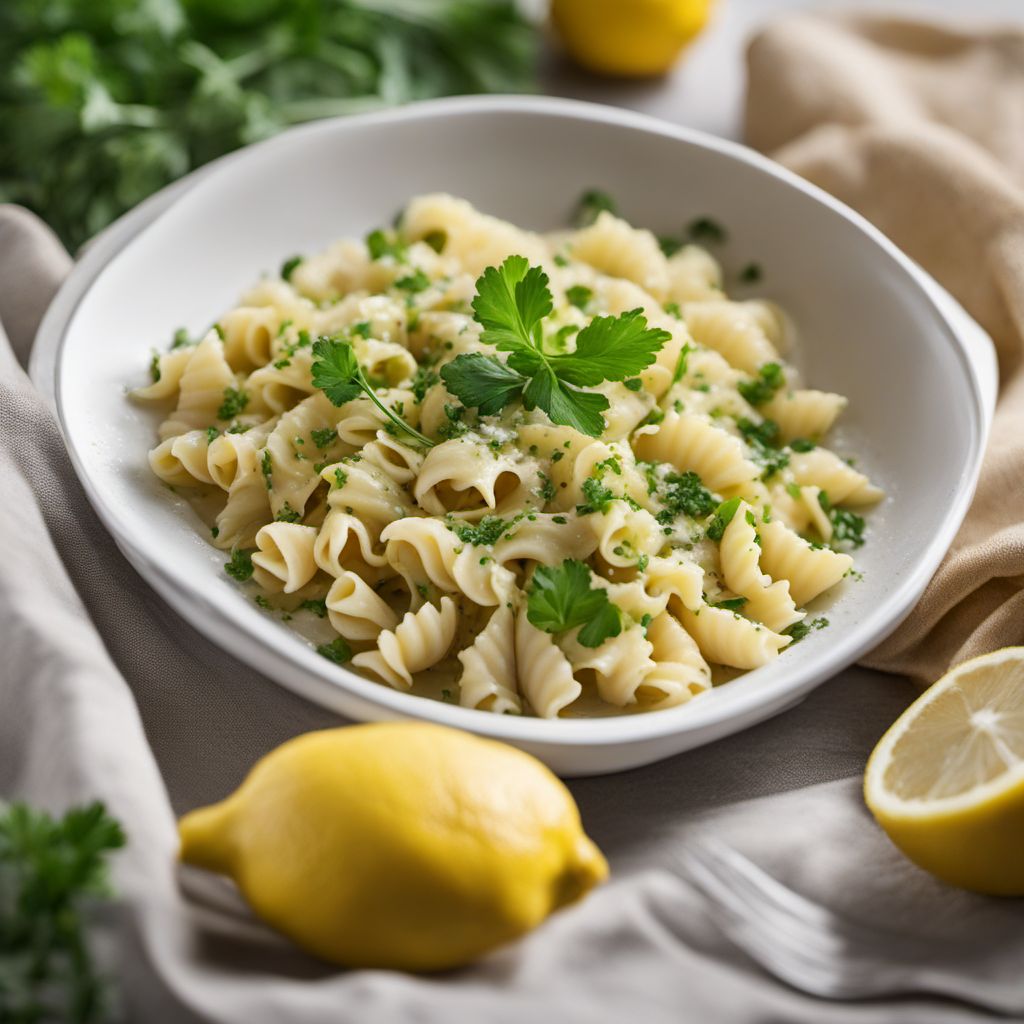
49 868
561 598
511 304
336 371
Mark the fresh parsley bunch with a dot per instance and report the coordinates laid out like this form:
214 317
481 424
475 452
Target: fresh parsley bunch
103 102
511 303
48 869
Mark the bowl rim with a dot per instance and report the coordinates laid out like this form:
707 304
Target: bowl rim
745 705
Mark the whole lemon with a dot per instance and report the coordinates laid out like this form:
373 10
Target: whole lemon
401 845
629 38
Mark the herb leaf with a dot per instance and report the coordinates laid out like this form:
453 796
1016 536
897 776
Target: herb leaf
483 382
561 598
240 566
722 518
610 348
337 373
510 303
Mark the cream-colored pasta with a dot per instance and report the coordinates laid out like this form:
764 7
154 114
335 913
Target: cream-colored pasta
679 673
767 601
355 610
694 275
804 413
425 553
810 571
418 642
843 484
488 679
733 330
727 638
620 664
470 480
284 557
344 542
453 535
693 443
543 671
620 250
200 390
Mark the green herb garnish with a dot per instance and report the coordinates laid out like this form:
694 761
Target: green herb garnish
722 518
337 651
324 438
591 205
240 566
511 304
685 494
704 229
561 598
290 266
762 389
317 606
287 514
337 373
235 401
49 868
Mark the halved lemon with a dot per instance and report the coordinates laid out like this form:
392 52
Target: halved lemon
946 782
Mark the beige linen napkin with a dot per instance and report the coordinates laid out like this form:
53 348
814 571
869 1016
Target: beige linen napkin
921 129
105 693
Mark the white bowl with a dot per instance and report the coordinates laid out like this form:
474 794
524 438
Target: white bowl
873 327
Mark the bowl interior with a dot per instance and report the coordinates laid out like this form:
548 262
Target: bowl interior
866 326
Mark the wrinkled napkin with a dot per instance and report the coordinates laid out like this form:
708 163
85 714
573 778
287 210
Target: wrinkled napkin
105 692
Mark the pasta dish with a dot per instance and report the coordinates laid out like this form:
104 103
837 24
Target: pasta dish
529 474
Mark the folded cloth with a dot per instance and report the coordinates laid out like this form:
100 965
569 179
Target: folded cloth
105 693
921 129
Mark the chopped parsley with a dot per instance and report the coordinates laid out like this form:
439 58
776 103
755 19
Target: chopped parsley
235 401
240 566
324 438
267 468
212 433
847 526
337 651
731 604
762 389
722 518
799 630
154 367
287 514
180 339
546 492
633 384
381 244
413 283
598 497
340 478
425 378
673 309
669 244
290 266
591 205
803 444
487 532
317 606
685 494
705 230
579 295
763 441
751 273
561 598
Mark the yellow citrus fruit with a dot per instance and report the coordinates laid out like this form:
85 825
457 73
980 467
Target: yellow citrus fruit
398 845
630 38
946 782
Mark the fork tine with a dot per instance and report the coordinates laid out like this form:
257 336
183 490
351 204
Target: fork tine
769 904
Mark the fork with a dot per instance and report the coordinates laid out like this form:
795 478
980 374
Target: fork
817 951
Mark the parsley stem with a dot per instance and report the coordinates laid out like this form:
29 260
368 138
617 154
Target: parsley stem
391 415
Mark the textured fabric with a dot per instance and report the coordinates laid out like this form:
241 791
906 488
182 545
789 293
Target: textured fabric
921 129
105 692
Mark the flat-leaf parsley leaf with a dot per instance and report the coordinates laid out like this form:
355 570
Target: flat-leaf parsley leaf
561 598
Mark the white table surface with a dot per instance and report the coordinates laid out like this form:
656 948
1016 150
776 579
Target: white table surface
705 90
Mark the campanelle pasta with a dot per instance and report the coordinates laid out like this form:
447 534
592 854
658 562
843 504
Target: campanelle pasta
579 478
